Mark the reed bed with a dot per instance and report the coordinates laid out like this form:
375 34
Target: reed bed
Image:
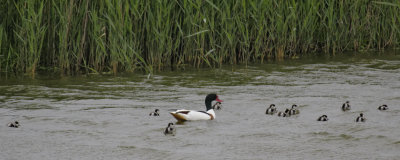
88 36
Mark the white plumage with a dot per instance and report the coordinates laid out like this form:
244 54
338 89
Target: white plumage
192 115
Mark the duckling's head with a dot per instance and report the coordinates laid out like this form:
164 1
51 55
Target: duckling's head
272 105
294 106
217 106
156 110
170 124
361 115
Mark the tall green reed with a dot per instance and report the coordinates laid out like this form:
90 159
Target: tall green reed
2 59
85 36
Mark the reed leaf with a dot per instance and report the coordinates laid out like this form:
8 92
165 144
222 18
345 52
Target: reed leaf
87 36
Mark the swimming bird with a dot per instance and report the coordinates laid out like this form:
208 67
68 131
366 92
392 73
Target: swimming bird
13 124
271 109
323 118
170 130
155 113
217 106
192 115
346 106
383 107
284 114
361 118
294 110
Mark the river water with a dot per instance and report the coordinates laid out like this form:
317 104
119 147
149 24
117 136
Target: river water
107 117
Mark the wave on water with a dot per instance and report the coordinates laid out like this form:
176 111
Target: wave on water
319 133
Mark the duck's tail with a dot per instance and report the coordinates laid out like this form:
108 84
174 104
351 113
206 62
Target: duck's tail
178 115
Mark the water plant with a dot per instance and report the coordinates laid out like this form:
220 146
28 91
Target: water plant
87 36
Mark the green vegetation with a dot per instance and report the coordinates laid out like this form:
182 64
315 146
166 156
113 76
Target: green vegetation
70 36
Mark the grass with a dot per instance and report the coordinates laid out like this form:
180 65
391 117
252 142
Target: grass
90 36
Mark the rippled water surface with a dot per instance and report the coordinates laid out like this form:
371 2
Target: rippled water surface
106 117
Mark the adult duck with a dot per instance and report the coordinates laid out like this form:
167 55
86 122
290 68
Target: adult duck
192 115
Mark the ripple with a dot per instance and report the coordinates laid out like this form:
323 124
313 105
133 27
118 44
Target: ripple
375 137
341 137
258 135
323 133
106 117
31 107
127 147
102 107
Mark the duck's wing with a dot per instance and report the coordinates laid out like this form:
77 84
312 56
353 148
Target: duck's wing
181 114
182 111
191 115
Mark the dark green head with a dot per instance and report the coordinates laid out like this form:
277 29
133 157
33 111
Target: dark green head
210 98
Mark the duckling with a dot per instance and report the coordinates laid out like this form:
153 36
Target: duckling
271 109
170 130
346 106
155 113
361 118
13 124
323 118
217 106
383 107
294 111
284 114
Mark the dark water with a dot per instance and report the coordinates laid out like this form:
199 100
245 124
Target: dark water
106 117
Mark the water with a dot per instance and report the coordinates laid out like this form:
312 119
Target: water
106 117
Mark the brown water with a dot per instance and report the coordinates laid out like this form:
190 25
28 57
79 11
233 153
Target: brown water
106 117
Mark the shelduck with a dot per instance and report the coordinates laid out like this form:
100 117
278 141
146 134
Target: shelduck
271 109
155 113
323 118
346 106
294 110
360 118
170 130
192 115
217 106
383 107
284 114
13 124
